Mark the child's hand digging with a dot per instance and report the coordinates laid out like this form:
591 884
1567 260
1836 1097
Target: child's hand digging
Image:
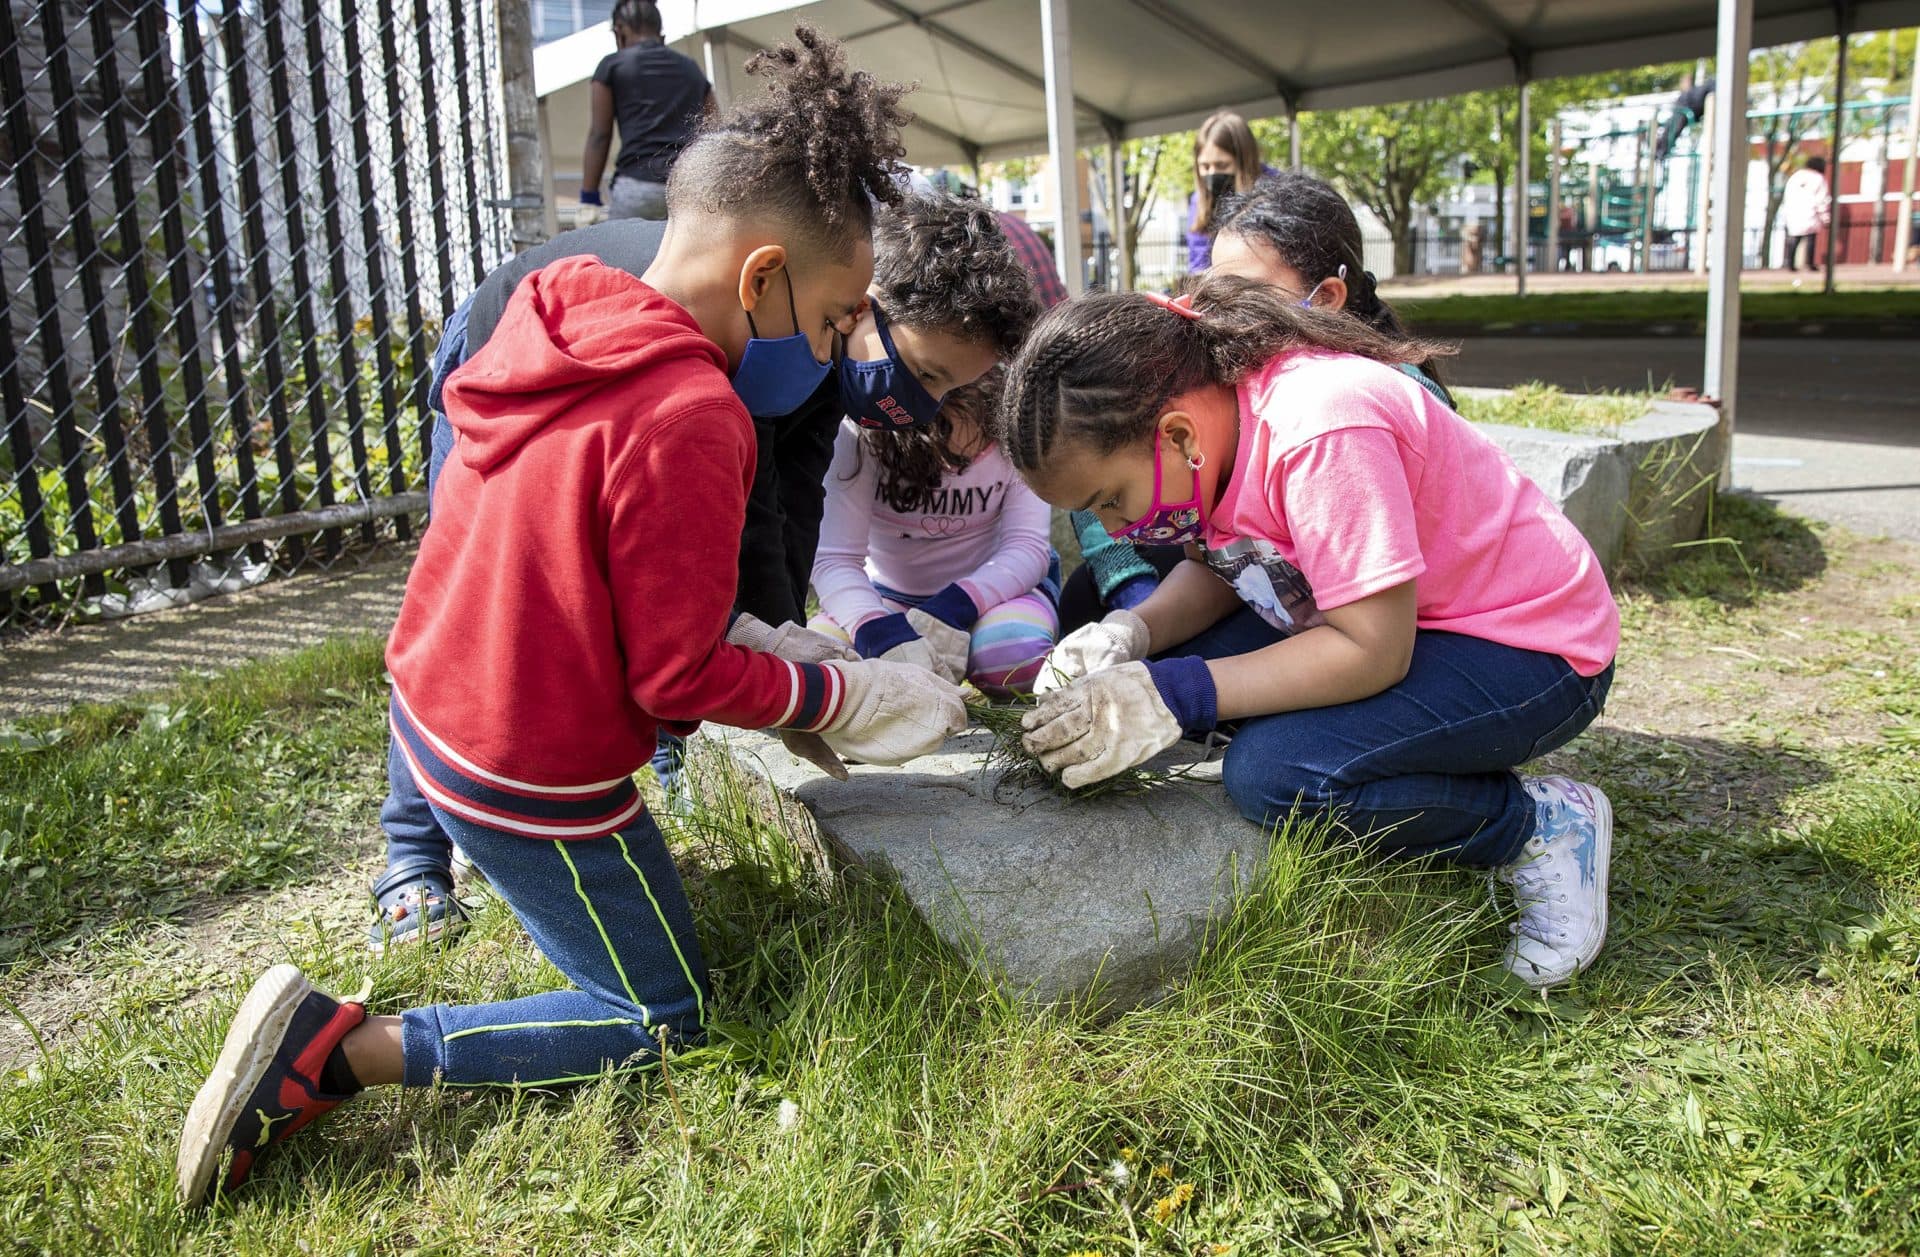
1100 725
1120 638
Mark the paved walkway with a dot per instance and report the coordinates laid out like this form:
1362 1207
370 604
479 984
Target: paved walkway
1845 278
49 672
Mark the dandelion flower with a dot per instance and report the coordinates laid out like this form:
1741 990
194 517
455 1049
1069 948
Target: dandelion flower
1173 1202
1163 1170
1119 1172
788 1117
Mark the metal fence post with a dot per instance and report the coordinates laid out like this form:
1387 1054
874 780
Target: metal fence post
525 155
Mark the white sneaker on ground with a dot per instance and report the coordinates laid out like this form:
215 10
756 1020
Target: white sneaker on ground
1560 882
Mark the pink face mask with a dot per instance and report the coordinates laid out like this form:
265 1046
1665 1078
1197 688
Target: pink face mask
1165 525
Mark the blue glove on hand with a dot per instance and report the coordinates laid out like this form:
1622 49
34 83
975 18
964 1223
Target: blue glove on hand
877 636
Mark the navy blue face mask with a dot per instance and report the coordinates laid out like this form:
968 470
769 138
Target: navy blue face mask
884 394
777 374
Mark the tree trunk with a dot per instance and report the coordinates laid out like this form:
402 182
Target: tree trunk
1499 235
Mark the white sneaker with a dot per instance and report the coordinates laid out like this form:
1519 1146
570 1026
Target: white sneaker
1560 882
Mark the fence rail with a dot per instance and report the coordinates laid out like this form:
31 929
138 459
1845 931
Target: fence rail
229 230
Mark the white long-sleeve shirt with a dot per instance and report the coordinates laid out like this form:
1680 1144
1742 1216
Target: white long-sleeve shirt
1804 206
983 528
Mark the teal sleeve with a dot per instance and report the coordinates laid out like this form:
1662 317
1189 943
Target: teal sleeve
1113 563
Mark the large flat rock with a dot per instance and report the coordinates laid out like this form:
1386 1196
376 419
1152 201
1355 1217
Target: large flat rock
1585 476
1053 897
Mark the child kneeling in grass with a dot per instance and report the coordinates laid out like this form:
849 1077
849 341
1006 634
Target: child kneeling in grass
935 553
1427 620
573 597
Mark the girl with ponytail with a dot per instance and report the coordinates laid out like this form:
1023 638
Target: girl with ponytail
1296 233
1418 619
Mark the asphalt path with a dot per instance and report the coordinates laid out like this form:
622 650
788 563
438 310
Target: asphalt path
1810 388
1826 428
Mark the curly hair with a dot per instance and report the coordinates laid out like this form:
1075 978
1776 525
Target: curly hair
1099 370
816 151
914 461
942 264
1310 225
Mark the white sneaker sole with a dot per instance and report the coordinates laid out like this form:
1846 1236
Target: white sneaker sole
252 1040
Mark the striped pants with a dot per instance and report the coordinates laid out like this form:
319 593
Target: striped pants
1008 645
611 915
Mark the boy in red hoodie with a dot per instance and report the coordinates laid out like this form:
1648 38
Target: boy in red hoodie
548 634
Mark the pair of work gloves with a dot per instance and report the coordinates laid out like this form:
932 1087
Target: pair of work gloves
893 712
936 635
1102 710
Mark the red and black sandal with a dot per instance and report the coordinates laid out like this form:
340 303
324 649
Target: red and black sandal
267 1085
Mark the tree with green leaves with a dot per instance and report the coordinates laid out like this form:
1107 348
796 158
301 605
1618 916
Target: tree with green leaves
1389 158
1795 76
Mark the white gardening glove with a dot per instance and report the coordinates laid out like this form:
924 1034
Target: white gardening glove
1120 638
585 215
949 646
917 652
789 641
1100 725
893 712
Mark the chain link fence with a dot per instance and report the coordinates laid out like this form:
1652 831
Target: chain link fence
229 232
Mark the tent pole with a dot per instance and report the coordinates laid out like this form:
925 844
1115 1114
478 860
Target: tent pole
1731 153
1703 179
1520 197
1063 149
1117 210
1903 228
713 49
1841 23
1553 195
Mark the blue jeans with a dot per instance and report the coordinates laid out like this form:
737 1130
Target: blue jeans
414 838
1424 768
611 915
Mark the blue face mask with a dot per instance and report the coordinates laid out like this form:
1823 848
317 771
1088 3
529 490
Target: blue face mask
884 394
777 374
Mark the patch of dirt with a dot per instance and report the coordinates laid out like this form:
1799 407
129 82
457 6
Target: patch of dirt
181 963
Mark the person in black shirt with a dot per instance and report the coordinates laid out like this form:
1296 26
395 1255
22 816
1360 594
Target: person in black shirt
658 97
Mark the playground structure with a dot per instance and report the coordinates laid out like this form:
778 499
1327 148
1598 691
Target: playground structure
1613 201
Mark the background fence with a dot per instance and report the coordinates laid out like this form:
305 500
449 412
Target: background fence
229 232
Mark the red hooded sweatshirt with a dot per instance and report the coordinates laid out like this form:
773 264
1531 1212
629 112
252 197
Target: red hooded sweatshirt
574 591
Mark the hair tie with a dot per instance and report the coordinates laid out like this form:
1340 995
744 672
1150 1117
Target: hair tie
1181 305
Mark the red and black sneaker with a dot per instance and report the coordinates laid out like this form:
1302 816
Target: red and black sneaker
266 1084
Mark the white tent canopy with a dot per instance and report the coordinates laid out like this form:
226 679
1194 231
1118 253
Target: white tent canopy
1006 78
1144 67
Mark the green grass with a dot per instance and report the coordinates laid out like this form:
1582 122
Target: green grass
1340 1074
1638 307
1537 405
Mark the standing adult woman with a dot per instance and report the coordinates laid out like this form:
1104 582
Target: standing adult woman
1226 160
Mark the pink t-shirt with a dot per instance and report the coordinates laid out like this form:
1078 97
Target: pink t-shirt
1350 474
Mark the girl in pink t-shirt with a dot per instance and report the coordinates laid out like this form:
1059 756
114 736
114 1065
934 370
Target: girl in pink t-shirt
934 552
1414 618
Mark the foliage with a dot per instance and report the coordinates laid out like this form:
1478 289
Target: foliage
1537 405
1389 158
1339 1073
1465 313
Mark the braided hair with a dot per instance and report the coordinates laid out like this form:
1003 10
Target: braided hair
1099 371
1311 226
814 152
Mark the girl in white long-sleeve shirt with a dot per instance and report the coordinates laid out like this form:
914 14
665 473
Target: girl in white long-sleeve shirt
934 551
